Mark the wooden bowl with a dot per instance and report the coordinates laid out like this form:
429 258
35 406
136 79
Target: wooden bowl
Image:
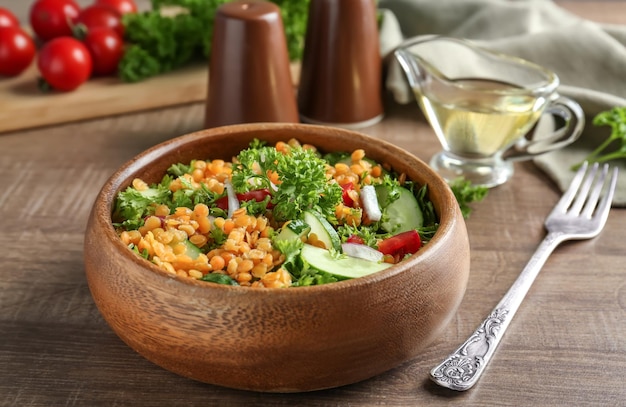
277 340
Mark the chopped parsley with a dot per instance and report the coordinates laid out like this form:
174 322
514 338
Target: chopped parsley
159 42
466 193
302 182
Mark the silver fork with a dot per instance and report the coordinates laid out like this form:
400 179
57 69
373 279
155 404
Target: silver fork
577 215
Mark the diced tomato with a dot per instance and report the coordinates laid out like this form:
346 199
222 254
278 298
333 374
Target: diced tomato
401 244
345 195
256 195
355 239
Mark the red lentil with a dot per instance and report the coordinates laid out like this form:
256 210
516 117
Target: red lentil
247 254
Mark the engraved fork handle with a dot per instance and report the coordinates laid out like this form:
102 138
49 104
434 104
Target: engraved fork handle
462 369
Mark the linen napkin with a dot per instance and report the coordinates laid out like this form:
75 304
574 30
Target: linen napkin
589 58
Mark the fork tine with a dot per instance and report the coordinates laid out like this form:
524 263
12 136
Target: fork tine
583 192
605 204
569 195
590 206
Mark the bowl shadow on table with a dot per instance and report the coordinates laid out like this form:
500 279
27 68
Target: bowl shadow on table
405 382
400 382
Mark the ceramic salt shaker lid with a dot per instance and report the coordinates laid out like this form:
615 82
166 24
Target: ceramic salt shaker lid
341 77
249 69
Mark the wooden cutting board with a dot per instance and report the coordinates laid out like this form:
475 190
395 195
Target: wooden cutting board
23 105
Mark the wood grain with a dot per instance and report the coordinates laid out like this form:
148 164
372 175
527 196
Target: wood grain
24 106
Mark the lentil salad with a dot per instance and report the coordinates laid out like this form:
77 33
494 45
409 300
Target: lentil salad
246 221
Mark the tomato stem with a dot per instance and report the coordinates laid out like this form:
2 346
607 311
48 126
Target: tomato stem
43 85
79 31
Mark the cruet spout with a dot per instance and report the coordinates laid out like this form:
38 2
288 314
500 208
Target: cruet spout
411 67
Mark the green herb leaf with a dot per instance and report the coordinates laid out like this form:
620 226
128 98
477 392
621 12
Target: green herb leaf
303 183
132 206
144 253
369 234
218 236
616 120
137 64
189 196
425 204
291 249
179 169
466 193
219 279
160 42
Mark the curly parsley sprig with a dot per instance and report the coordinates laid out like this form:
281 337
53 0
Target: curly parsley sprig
302 180
159 41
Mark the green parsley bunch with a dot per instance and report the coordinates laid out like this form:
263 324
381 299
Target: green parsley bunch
159 42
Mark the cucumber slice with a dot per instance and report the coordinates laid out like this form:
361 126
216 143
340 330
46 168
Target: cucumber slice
382 194
348 160
293 230
403 214
343 267
323 230
191 249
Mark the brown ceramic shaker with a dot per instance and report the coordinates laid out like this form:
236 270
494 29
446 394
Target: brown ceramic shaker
341 76
249 70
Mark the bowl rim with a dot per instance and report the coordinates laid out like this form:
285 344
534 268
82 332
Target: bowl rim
105 199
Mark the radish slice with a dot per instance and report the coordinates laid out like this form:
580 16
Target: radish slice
370 203
212 221
233 202
361 251
255 182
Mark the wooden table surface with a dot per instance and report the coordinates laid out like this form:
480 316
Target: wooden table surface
566 345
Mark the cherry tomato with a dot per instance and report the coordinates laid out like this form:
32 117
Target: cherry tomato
64 63
51 18
257 195
106 48
345 194
17 50
100 16
401 244
8 19
355 239
122 6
